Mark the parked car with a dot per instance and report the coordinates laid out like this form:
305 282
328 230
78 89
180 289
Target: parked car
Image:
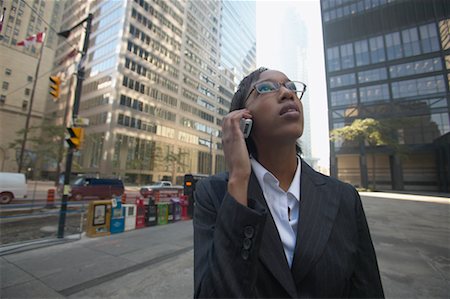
12 185
86 188
147 189
159 185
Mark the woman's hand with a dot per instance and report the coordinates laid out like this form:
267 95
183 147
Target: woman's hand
236 154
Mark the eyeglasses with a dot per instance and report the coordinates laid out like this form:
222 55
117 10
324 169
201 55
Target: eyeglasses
268 86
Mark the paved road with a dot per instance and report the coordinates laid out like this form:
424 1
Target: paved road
411 237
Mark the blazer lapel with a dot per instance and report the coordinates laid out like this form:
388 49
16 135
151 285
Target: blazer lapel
318 209
272 252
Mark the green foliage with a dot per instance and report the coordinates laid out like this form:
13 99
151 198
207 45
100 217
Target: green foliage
171 160
371 132
43 140
368 130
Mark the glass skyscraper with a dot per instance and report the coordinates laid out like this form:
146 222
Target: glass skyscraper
160 76
390 60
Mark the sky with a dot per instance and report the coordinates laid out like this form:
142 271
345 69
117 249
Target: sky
278 26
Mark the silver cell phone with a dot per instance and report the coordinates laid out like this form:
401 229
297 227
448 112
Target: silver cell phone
246 126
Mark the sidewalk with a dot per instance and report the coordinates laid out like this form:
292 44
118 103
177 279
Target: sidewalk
410 235
422 196
131 264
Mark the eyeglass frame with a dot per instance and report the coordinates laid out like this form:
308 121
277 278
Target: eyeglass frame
279 87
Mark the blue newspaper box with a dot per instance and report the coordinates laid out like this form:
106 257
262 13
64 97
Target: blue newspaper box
117 224
176 209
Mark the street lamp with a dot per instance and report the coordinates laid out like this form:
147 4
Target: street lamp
76 106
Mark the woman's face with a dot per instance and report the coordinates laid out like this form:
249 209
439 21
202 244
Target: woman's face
277 115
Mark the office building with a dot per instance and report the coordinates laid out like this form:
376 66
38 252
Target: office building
23 19
390 60
160 76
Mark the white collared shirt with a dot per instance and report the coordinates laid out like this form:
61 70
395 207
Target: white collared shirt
279 203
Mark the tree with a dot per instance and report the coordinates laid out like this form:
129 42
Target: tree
369 131
171 160
43 142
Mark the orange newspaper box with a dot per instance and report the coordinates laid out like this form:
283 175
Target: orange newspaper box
98 218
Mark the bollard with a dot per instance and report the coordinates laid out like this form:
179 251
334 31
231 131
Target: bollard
124 198
50 198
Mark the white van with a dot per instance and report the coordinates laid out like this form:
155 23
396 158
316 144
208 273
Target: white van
12 185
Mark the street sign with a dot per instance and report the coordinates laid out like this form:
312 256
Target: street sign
81 122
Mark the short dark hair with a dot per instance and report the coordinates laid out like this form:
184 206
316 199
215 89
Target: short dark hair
239 100
240 96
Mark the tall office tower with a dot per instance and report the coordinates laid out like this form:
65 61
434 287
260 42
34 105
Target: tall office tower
238 39
22 20
290 53
390 60
156 89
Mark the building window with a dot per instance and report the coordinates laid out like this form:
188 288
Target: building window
344 97
2 99
377 49
444 29
442 121
30 79
334 63
347 60
372 75
24 104
343 80
429 38
374 93
415 87
411 44
415 67
8 72
27 91
5 85
393 46
362 53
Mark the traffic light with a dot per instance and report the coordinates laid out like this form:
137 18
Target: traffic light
76 137
55 86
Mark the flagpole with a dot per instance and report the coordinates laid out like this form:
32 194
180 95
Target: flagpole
27 122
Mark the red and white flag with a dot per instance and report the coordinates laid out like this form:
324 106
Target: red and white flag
2 17
32 40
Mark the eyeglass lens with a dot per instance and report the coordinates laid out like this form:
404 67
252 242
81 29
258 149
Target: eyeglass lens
268 86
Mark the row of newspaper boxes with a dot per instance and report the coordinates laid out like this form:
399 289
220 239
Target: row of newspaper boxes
106 217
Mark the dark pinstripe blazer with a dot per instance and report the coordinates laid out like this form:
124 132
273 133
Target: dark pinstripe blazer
238 251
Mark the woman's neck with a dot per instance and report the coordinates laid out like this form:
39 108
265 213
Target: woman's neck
281 162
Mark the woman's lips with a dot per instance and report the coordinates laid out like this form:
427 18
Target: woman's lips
289 108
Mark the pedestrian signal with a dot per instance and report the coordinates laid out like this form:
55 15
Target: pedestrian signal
76 137
55 86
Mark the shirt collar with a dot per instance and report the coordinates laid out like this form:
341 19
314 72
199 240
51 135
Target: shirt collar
263 175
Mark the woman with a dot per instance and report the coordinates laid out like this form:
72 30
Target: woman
273 227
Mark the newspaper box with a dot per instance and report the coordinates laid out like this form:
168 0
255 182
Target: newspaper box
162 209
130 216
98 218
117 223
184 207
140 213
176 209
151 213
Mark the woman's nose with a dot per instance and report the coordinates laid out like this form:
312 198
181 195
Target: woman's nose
286 93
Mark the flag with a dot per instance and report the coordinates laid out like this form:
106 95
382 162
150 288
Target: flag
71 54
2 17
32 40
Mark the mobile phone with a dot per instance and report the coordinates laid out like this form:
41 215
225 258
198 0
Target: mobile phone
246 126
